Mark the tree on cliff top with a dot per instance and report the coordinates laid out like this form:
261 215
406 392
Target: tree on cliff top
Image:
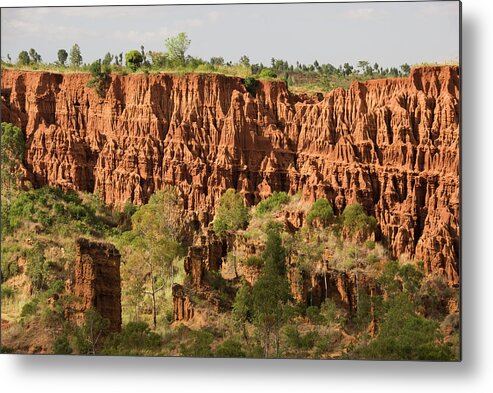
177 46
232 213
133 59
62 56
23 58
75 56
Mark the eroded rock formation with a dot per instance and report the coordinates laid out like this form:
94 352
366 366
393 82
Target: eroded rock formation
391 144
97 282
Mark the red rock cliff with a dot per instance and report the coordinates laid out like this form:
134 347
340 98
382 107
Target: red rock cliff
392 145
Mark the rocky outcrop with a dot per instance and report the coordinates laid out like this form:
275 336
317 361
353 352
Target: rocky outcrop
345 288
97 282
183 306
206 255
391 144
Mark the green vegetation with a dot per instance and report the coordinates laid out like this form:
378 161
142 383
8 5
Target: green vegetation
100 75
75 56
356 221
134 59
273 203
151 249
281 300
13 146
321 210
299 77
232 213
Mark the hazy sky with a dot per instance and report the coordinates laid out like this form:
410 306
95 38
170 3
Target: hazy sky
387 33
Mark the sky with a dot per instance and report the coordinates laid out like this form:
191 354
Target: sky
388 33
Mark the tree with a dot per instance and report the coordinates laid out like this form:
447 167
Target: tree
100 75
62 56
133 59
347 69
177 47
75 56
23 58
322 211
232 213
108 58
13 147
270 292
217 61
242 307
406 68
34 56
355 220
244 61
91 333
362 64
151 248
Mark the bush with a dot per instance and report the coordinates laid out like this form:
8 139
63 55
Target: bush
134 338
267 73
133 59
230 349
200 345
7 292
370 244
61 346
274 202
355 220
251 85
254 261
30 308
313 314
232 213
321 210
100 75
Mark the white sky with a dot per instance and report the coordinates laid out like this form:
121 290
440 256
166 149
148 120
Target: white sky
388 33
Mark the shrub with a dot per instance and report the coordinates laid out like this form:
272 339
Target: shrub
230 349
321 210
251 85
370 244
134 338
274 202
267 73
61 346
254 261
313 314
232 213
100 75
7 292
30 308
200 345
355 220
133 59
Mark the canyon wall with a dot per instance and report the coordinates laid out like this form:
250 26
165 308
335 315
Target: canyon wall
391 145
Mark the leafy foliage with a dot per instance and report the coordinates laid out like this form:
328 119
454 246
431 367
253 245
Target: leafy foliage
136 338
267 73
321 210
273 203
133 59
251 85
100 75
75 56
232 213
355 220
177 47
